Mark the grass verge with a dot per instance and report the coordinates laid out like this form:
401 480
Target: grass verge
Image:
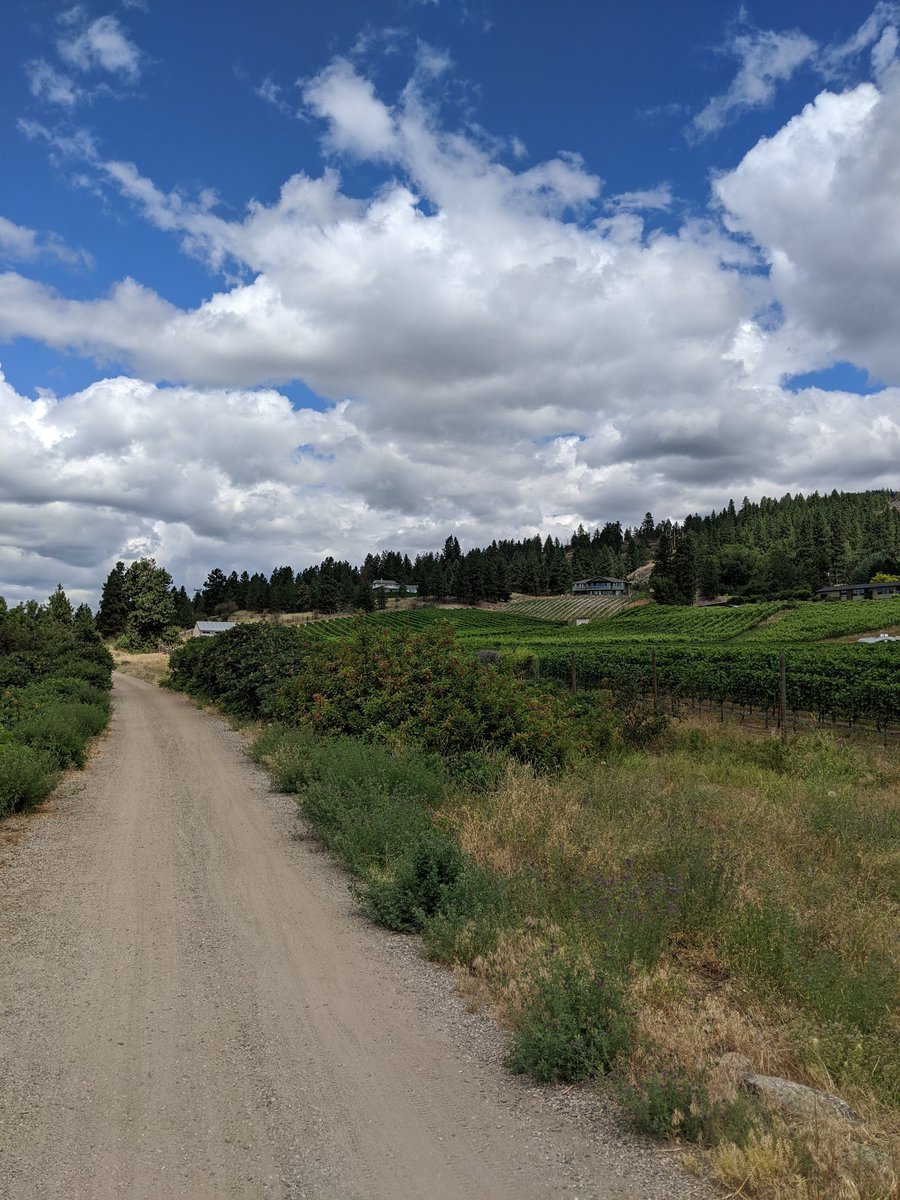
641 917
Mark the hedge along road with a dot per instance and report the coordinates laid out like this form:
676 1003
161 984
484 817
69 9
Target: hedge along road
191 1006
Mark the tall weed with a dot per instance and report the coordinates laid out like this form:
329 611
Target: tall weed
27 776
574 1026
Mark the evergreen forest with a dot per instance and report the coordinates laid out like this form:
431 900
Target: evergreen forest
770 549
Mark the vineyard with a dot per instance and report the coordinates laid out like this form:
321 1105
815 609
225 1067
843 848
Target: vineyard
815 622
713 655
469 624
570 608
834 683
655 623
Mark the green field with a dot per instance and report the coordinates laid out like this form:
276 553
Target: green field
570 608
715 654
813 622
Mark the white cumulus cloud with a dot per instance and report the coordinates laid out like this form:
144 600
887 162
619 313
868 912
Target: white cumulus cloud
820 199
499 351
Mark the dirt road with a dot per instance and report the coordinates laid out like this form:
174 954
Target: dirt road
190 1006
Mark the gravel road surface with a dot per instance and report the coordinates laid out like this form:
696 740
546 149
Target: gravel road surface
190 1005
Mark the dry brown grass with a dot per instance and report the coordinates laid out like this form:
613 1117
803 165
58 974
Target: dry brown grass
695 1021
821 1161
810 833
149 667
499 982
532 823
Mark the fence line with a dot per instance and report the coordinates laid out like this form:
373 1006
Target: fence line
762 717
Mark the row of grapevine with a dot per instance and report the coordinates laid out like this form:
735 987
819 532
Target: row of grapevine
815 622
659 623
570 608
846 683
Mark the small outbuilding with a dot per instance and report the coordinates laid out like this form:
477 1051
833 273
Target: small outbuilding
211 628
392 588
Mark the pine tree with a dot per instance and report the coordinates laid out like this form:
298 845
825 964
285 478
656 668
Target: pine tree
363 598
151 610
83 624
327 592
685 570
184 610
283 590
257 593
59 608
112 615
215 590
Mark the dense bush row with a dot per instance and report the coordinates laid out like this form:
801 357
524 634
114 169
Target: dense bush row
54 696
418 688
374 808
701 654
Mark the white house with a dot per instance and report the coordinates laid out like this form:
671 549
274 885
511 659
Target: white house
391 587
211 628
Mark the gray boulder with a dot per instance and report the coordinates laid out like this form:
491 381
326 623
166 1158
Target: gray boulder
791 1097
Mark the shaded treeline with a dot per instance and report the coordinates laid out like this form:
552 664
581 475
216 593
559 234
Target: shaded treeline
773 548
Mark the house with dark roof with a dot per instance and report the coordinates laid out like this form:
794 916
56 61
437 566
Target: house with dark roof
859 591
601 585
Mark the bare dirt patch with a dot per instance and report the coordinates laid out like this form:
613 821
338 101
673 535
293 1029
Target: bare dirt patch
149 667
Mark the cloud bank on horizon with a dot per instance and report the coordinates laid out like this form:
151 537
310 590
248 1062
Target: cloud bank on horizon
492 346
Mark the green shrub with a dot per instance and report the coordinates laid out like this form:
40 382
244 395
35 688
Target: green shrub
27 776
574 1027
763 943
241 669
641 726
134 643
870 1062
367 804
420 885
862 997
434 889
701 883
62 730
472 912
522 662
419 689
476 770
668 1102
286 753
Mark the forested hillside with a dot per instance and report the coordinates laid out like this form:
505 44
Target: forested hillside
773 549
785 547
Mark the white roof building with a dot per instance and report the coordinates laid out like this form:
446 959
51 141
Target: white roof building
211 628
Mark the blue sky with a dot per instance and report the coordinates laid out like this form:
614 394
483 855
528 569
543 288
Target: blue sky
292 279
